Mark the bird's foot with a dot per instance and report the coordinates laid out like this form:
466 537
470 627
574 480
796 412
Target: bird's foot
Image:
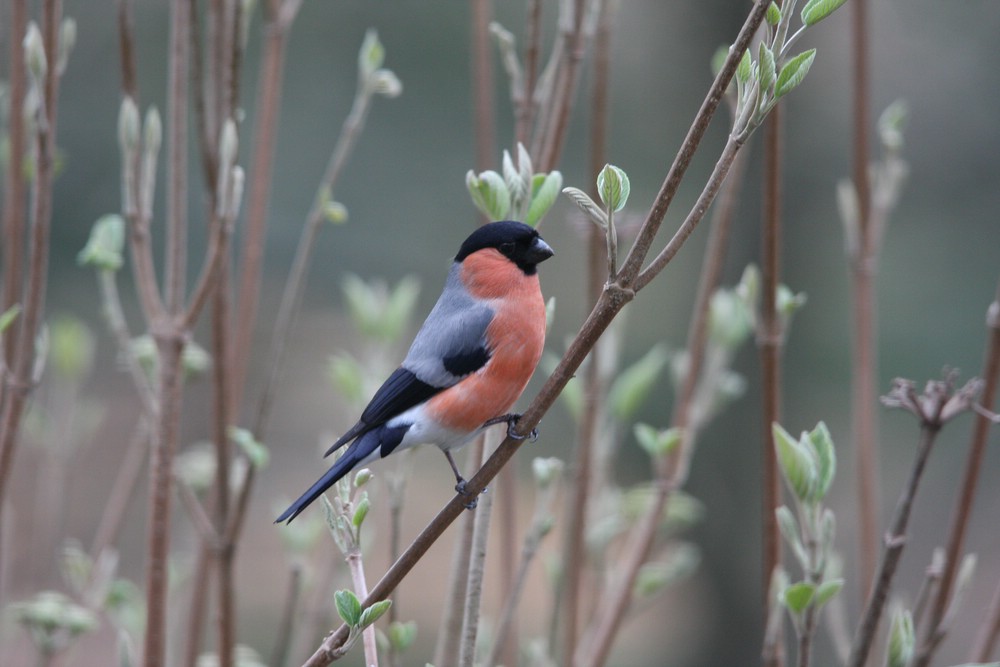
461 488
511 419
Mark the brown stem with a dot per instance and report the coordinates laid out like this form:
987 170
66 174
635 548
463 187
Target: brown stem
446 650
170 348
126 49
934 633
14 181
895 540
565 90
357 568
279 656
864 362
525 106
477 570
226 613
262 163
177 135
613 299
207 142
20 381
769 341
195 619
122 489
292 295
630 271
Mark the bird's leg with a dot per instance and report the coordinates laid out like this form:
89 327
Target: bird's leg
460 483
510 419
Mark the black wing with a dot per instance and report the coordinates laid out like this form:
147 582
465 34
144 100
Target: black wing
399 393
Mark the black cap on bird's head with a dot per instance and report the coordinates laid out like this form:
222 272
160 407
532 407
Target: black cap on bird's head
517 241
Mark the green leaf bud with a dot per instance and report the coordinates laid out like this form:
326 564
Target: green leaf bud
517 187
229 143
195 360
347 376
544 191
371 55
794 72
773 15
729 320
656 575
745 68
613 187
489 193
546 471
128 127
767 67
348 607
386 83
826 458
633 385
373 613
72 348
362 477
361 511
34 54
797 462
195 466
67 40
402 635
152 134
658 443
583 200
255 451
789 529
902 639
798 596
827 590
104 246
817 10
335 213
891 124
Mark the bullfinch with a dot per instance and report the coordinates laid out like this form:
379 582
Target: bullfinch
468 364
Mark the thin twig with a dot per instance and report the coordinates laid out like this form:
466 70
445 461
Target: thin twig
554 135
990 375
770 339
612 300
115 317
119 500
175 264
279 655
357 568
450 633
895 540
864 362
477 569
262 163
525 106
21 379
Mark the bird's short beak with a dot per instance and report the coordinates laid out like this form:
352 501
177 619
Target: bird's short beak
539 251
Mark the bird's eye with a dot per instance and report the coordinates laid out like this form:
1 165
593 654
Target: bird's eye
507 249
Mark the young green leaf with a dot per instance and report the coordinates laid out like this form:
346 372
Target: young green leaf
826 458
826 591
768 70
583 200
401 635
633 385
798 596
104 246
544 191
613 187
794 72
255 451
373 613
371 55
348 607
657 442
798 464
789 528
362 510
489 193
902 639
744 69
817 10
773 14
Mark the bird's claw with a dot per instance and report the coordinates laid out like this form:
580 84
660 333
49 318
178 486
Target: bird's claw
462 490
511 419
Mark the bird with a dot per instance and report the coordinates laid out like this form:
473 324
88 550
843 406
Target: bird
468 364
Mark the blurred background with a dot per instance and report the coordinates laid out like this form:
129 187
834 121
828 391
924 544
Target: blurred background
409 210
